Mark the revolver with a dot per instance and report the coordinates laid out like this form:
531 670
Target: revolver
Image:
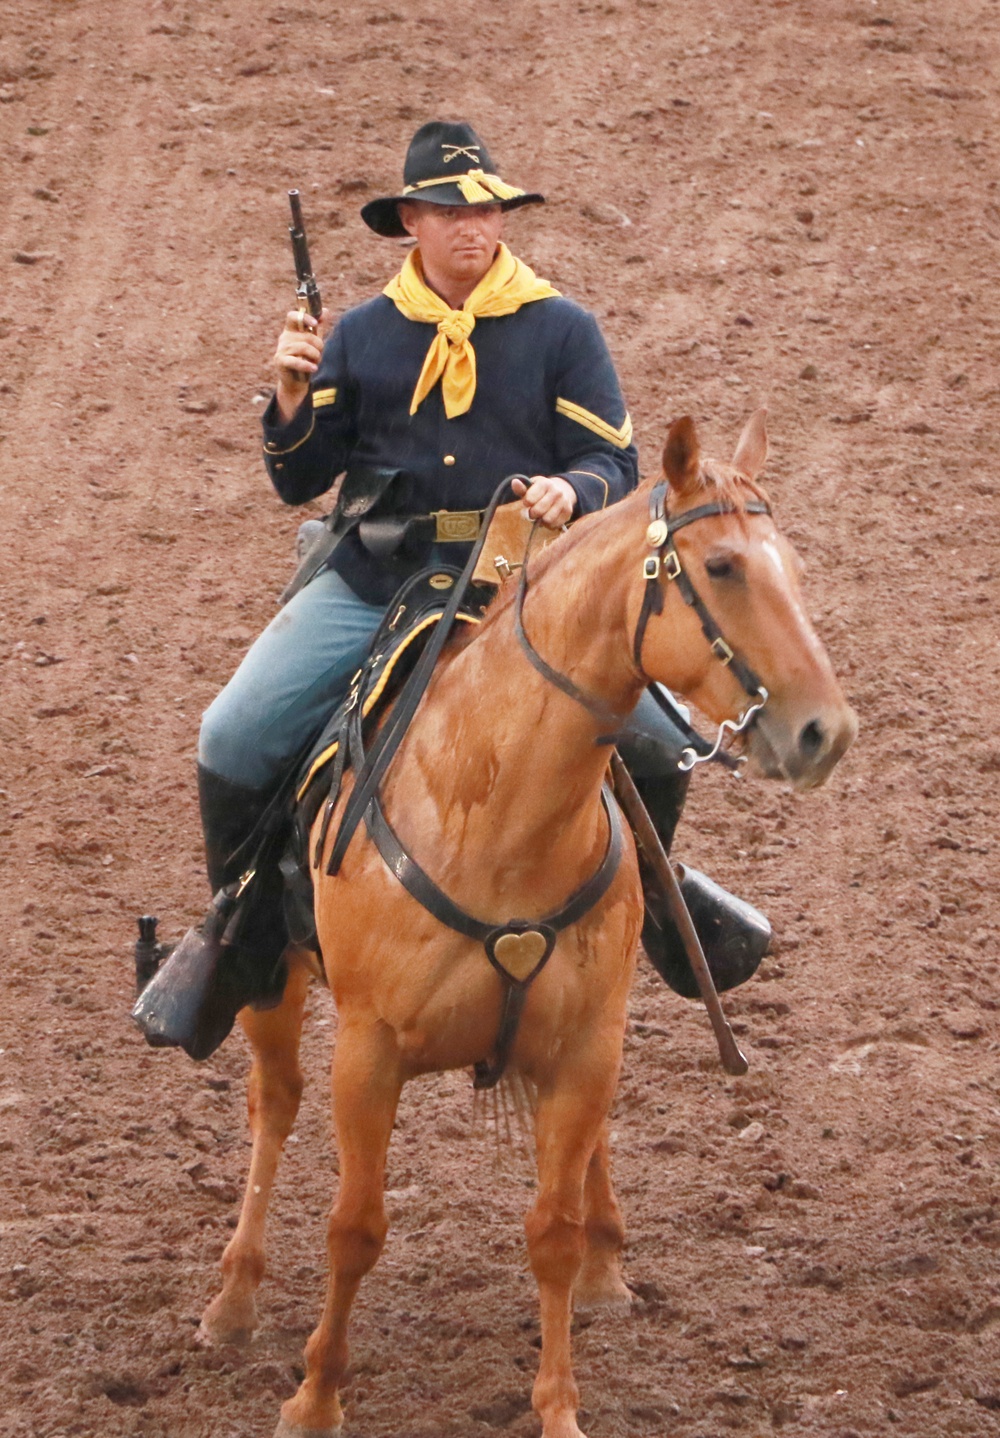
306 288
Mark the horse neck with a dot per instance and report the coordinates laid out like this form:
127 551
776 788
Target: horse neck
534 748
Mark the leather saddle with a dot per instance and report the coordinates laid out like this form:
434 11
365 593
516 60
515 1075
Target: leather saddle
398 643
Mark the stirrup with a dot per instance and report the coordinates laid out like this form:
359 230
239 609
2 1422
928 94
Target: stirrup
191 1002
734 935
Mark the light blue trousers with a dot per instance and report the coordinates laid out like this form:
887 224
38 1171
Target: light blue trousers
288 684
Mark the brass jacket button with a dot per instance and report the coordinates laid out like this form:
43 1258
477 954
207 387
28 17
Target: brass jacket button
449 459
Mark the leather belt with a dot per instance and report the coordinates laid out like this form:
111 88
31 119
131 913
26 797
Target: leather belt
384 535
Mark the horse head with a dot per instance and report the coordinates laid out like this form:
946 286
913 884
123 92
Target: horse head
734 575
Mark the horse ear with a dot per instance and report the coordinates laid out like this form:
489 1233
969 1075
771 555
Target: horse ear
751 450
682 455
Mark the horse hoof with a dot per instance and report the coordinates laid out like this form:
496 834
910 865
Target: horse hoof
229 1320
215 1336
608 1293
295 1430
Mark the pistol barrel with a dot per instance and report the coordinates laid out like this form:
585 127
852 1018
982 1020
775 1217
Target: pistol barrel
295 200
306 290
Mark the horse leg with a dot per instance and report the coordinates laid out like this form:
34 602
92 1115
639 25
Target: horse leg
366 1089
568 1125
273 1092
599 1282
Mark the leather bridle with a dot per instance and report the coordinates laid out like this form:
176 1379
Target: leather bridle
664 561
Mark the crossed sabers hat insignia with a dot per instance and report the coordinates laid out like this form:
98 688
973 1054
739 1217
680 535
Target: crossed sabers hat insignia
451 152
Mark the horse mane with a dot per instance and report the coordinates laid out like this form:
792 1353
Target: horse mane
733 490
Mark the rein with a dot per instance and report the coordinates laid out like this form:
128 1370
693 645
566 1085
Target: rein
665 560
603 713
518 949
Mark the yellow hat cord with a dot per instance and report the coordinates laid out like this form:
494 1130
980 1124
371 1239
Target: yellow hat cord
476 186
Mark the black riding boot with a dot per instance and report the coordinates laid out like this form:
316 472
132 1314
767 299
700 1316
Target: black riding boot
235 956
734 935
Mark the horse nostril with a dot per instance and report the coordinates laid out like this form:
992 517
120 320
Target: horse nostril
811 739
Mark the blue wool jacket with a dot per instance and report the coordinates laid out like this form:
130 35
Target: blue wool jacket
547 401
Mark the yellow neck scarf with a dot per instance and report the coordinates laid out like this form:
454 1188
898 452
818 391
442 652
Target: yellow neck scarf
507 285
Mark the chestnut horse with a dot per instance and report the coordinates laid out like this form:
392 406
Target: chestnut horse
496 791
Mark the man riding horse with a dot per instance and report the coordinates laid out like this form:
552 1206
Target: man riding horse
466 369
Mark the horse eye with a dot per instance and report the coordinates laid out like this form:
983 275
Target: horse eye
720 567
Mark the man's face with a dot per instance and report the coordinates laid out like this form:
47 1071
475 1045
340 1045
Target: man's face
456 241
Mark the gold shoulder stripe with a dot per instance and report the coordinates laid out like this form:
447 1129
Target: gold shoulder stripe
620 438
323 397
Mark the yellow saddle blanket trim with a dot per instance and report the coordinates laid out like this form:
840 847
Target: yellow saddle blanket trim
507 285
324 757
621 438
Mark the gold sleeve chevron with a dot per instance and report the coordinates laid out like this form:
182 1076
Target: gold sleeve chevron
322 397
620 438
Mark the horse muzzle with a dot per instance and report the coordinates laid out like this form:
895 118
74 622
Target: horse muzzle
801 750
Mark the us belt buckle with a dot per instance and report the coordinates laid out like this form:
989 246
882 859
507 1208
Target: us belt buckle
456 526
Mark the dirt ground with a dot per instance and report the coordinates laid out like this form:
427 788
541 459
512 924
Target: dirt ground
784 203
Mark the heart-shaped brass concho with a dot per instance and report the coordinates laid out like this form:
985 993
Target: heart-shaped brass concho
522 954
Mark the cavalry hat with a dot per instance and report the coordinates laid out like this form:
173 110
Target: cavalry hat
446 164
